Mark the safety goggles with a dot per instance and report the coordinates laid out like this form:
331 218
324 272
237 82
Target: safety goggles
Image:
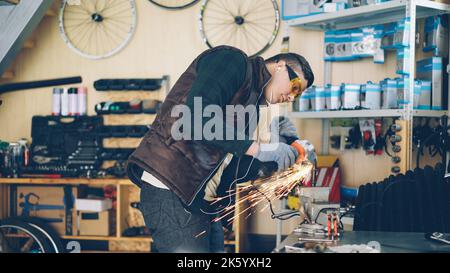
296 84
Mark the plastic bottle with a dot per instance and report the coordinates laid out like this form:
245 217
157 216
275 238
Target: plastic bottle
73 102
65 102
82 101
56 105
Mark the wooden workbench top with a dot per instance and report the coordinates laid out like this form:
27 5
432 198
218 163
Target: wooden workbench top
66 181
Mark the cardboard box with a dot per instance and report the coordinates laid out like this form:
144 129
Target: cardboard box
425 96
328 176
431 70
352 93
305 99
403 59
436 35
335 97
291 9
93 205
417 91
320 99
94 223
389 89
50 206
402 89
333 7
371 96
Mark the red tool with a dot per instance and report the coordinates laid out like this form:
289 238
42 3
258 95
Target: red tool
379 137
329 225
335 225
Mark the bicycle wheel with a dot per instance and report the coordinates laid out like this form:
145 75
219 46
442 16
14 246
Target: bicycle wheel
250 25
174 4
97 29
47 231
19 237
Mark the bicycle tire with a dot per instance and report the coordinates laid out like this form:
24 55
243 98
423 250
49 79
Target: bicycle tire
176 7
48 231
37 235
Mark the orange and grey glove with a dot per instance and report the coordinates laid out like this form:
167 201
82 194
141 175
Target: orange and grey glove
283 154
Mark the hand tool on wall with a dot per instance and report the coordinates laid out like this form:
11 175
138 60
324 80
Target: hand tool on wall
29 206
128 84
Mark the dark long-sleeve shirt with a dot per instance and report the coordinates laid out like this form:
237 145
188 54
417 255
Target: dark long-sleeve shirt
219 76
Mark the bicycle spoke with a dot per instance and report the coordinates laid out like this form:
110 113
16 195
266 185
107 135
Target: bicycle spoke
253 28
100 35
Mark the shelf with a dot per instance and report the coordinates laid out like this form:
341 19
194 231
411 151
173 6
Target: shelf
382 13
363 114
66 181
112 238
347 114
429 113
107 238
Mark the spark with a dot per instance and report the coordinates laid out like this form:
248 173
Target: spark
200 234
268 189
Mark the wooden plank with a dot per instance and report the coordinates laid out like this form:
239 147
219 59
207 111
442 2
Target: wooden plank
240 224
108 238
129 246
122 209
66 181
133 216
129 119
121 142
129 95
4 201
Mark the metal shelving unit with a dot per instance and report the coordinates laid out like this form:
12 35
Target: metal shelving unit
347 114
382 13
394 113
369 15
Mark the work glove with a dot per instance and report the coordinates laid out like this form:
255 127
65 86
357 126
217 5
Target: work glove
310 152
281 128
281 153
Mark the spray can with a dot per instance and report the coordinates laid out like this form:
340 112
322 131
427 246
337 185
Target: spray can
25 152
82 101
73 101
56 105
15 158
65 102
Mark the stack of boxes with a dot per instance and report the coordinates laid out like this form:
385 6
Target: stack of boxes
94 216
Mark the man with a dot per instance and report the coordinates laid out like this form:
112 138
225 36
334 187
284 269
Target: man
175 175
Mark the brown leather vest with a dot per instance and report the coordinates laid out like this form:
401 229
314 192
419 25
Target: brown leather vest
184 166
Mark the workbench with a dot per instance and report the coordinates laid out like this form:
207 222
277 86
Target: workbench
124 187
390 242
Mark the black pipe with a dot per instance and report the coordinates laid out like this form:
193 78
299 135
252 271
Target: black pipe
444 139
9 87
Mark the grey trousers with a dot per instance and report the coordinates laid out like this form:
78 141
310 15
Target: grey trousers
174 228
